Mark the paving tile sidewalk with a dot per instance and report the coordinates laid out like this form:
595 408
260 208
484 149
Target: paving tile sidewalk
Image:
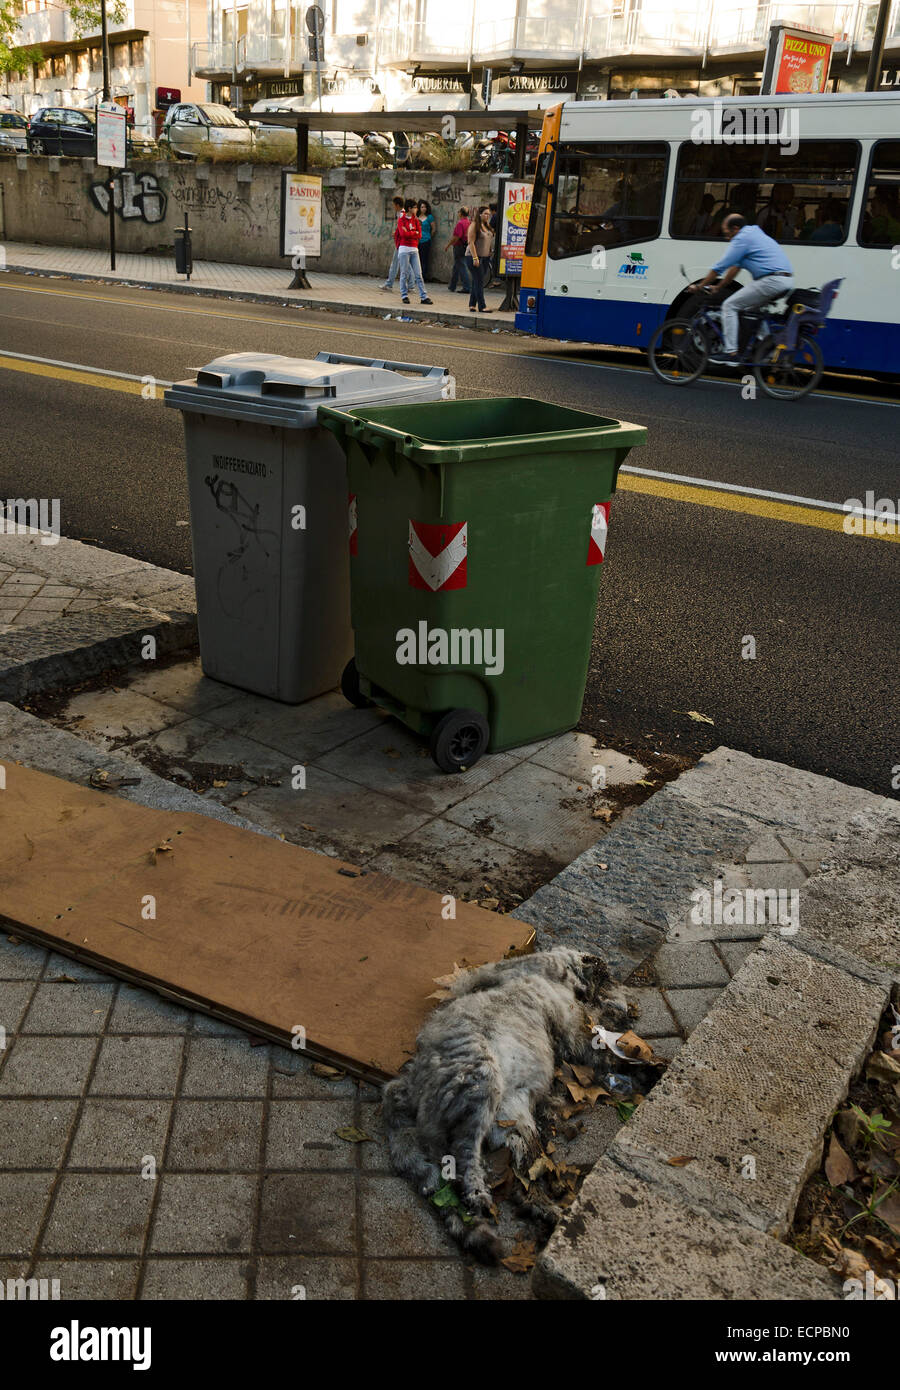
349 293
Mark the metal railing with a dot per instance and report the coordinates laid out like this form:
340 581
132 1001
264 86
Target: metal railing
419 40
749 28
547 36
652 30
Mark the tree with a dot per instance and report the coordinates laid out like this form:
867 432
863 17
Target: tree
85 16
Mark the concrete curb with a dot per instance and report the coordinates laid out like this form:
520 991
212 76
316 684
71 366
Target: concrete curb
747 1102
136 601
475 323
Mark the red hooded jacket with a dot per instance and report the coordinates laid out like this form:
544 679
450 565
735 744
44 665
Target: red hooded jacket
409 230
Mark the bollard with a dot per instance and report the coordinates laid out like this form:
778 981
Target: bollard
184 258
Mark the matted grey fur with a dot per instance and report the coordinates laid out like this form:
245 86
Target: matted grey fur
484 1060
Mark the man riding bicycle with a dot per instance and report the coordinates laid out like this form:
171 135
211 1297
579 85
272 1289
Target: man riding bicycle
751 249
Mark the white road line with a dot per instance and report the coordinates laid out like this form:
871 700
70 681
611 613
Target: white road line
758 492
741 489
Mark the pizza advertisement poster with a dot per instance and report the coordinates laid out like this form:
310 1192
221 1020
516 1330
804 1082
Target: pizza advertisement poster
802 64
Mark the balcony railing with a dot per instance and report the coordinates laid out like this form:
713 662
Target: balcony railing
865 26
749 28
647 31
524 36
212 57
47 26
421 43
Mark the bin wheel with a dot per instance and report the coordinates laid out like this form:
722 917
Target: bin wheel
350 687
459 739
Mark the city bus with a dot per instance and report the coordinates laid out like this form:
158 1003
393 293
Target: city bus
629 198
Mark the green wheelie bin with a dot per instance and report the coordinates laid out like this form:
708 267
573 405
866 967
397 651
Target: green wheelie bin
477 530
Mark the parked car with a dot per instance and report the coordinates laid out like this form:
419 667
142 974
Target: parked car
190 128
61 130
64 130
14 129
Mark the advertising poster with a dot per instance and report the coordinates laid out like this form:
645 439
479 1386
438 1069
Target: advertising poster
112 135
514 211
301 214
802 64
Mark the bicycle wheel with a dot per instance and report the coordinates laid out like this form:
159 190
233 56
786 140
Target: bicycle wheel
788 374
678 351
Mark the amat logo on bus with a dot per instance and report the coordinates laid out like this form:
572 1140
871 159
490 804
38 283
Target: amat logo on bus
635 265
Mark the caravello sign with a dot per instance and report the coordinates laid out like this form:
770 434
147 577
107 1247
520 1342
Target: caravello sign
562 84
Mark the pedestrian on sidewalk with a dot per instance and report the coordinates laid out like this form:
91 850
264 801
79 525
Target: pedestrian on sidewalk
480 243
457 244
395 259
409 234
429 227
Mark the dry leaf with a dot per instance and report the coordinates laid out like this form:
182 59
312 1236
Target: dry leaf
889 1211
681 1161
541 1165
582 1093
881 1067
851 1264
839 1166
447 981
353 1135
604 813
584 1075
697 717
220 784
322 1069
521 1258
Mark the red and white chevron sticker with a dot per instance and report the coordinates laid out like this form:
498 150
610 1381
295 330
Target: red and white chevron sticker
437 555
353 523
599 530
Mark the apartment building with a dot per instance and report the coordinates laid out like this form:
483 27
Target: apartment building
501 54
149 58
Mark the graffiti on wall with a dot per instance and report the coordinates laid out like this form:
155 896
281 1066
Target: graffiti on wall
134 196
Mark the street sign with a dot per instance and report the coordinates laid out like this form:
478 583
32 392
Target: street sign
112 135
797 61
315 19
301 214
515 206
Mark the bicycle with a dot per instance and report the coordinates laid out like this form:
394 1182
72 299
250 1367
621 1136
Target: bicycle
780 348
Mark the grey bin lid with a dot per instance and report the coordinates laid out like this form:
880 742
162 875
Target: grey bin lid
271 389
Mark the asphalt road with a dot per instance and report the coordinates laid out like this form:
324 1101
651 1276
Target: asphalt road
683 584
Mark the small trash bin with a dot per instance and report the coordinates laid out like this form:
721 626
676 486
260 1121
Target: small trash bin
481 528
270 518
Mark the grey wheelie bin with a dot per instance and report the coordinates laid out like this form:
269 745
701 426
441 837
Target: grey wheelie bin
271 514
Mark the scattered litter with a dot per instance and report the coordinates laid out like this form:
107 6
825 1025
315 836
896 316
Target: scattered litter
697 717
352 1135
604 813
102 782
521 1258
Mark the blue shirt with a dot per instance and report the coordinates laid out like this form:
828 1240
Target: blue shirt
753 250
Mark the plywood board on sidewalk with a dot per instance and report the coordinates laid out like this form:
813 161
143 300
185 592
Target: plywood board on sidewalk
257 931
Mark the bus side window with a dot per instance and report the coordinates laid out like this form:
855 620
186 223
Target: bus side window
880 222
795 195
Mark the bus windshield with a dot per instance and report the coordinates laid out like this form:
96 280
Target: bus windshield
607 195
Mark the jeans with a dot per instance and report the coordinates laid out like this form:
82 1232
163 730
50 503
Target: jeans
758 292
476 290
394 270
460 270
411 270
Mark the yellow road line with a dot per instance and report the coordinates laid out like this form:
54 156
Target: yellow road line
550 354
106 383
738 502
628 482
